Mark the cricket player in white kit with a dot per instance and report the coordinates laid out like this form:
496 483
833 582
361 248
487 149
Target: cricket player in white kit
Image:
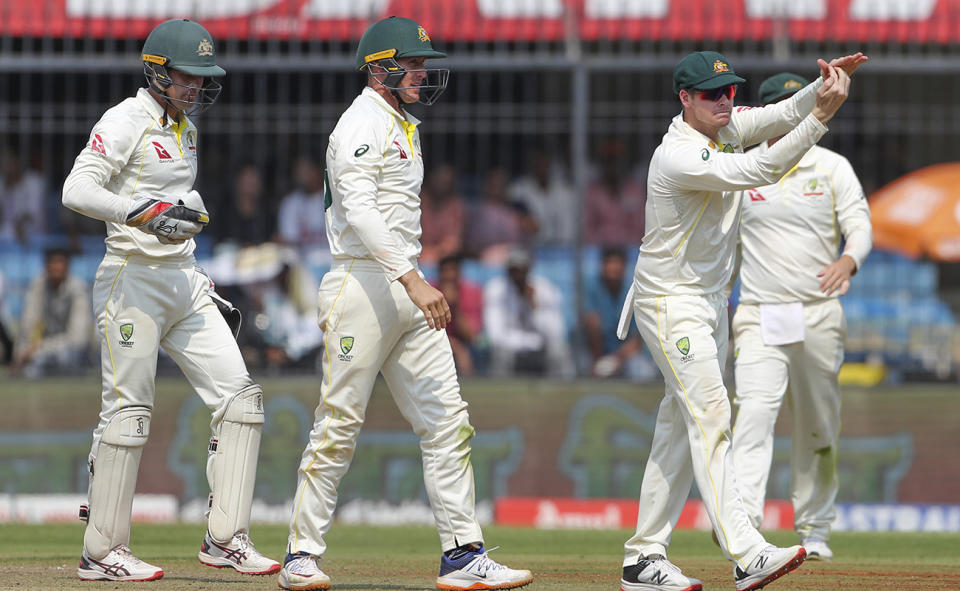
136 174
380 316
679 301
789 326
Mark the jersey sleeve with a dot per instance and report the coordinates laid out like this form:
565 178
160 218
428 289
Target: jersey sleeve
759 124
111 145
690 165
852 211
355 172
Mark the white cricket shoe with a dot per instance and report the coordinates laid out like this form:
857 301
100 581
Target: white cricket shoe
302 573
771 564
118 565
656 573
239 554
476 570
817 549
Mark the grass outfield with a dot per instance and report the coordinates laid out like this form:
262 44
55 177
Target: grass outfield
406 558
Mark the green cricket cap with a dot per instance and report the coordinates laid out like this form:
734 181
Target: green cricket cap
779 87
704 70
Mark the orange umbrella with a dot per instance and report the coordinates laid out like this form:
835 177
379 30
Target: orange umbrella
919 213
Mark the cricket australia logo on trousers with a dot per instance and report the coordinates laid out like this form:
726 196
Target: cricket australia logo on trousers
683 345
126 333
346 345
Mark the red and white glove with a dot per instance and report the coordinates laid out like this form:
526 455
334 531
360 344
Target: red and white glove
171 223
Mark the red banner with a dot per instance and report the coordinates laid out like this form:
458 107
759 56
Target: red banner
923 21
554 513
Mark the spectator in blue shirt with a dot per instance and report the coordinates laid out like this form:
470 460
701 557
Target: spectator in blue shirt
609 356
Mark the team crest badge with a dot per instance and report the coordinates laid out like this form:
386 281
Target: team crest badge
719 66
792 85
205 47
422 33
683 345
126 331
346 344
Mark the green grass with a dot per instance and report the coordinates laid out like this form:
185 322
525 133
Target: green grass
406 558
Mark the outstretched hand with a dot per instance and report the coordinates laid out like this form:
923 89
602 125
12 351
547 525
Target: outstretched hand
847 63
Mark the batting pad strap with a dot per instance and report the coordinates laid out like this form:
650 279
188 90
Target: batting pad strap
113 477
234 465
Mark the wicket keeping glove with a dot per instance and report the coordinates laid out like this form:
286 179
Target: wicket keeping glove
170 223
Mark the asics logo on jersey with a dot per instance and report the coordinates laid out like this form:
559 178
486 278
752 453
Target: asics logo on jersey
361 150
161 151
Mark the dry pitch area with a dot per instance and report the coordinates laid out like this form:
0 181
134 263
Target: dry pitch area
406 558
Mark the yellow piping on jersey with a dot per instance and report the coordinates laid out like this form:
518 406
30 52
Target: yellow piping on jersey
178 127
713 486
298 497
106 327
703 208
409 129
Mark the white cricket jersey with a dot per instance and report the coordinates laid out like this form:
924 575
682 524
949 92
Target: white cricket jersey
374 173
791 229
131 152
693 199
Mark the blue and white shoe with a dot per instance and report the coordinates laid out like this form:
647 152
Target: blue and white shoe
476 570
118 565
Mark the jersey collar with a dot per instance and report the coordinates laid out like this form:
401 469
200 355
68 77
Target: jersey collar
383 104
155 109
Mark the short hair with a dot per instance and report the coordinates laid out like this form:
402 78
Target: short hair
56 251
614 251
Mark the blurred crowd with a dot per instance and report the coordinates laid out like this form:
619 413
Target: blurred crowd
482 244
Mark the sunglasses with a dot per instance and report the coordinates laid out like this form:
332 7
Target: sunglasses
714 94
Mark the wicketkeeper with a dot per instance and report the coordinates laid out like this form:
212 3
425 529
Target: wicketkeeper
136 173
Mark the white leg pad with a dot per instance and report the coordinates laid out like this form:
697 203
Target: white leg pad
233 470
113 477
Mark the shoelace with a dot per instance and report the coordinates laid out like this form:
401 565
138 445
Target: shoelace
485 564
126 554
243 540
306 565
665 564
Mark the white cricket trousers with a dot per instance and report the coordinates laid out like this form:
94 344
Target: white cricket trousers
371 326
688 336
144 303
807 372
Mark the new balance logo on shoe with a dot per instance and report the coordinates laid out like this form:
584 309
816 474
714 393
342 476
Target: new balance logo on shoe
658 577
656 573
771 564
